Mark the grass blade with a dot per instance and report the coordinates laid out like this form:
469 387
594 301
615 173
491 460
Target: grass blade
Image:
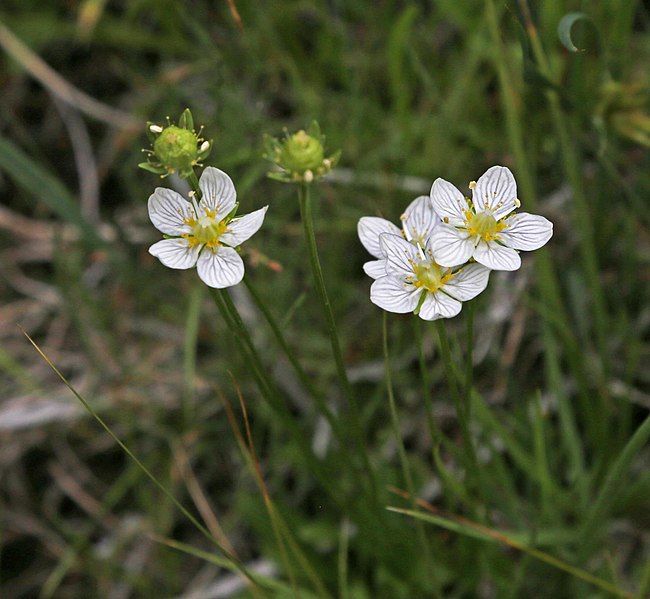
34 179
483 533
233 561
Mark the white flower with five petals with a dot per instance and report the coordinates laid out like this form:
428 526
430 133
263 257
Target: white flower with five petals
484 228
416 283
418 222
203 234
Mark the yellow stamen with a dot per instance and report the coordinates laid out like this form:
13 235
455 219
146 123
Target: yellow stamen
430 276
205 230
483 225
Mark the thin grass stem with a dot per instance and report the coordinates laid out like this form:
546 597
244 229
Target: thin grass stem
401 450
461 409
436 435
202 529
304 198
293 360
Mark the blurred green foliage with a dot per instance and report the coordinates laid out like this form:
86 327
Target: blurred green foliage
409 91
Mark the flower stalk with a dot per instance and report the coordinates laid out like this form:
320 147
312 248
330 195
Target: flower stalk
304 199
401 450
461 406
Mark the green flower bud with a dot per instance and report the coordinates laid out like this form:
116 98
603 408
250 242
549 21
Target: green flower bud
301 152
299 157
175 148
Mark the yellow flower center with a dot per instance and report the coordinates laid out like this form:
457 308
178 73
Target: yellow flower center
484 225
206 230
430 276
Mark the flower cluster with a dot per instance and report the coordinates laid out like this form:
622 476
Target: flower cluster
204 233
299 157
448 244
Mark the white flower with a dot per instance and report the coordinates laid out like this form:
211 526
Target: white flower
418 222
416 283
484 228
203 234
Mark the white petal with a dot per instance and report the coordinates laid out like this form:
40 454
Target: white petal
175 253
526 231
468 282
451 246
448 202
438 305
168 211
244 227
400 254
496 191
419 219
496 257
220 267
218 192
370 229
394 295
375 268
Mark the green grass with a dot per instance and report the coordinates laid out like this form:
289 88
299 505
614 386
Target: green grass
555 502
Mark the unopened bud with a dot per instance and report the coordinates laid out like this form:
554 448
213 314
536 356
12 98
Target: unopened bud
176 148
300 156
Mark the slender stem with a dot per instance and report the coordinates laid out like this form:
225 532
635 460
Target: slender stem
266 386
461 411
202 529
194 184
547 279
367 520
426 386
401 450
300 372
469 359
607 494
304 198
189 353
571 163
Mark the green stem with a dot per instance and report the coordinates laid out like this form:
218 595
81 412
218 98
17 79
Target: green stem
189 353
366 519
304 198
461 411
571 164
267 388
469 359
194 184
608 490
401 450
426 387
297 367
547 279
202 529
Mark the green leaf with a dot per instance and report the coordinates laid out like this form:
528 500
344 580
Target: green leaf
398 44
484 533
152 168
43 185
186 121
